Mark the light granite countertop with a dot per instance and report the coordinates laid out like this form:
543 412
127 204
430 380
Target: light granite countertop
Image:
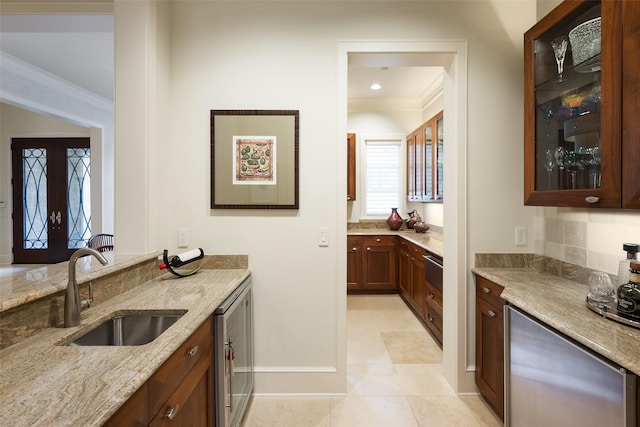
38 282
431 240
561 304
46 384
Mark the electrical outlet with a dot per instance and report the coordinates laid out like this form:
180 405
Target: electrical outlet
521 236
183 238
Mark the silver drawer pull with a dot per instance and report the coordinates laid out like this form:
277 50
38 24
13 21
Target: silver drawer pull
431 319
192 352
486 290
171 413
368 249
354 249
378 240
492 314
431 295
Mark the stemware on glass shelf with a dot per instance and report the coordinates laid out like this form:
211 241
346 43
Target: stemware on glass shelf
573 164
549 164
559 46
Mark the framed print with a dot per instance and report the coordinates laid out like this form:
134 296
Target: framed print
254 159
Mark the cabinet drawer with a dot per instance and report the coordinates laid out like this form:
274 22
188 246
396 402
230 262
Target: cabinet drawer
434 322
165 380
434 298
189 404
489 292
379 241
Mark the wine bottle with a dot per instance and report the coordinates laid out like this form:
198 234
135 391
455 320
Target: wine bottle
183 258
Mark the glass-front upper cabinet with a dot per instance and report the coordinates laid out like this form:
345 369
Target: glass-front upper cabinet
573 106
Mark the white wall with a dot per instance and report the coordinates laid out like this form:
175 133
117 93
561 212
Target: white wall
282 55
19 123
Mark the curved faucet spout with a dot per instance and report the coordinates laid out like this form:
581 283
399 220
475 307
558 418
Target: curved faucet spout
72 295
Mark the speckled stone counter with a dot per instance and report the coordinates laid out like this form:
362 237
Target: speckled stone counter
431 240
561 303
46 384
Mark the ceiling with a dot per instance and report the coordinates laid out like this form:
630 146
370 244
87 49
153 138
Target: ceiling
79 49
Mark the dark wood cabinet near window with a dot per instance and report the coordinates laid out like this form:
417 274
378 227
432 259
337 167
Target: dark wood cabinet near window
425 161
351 167
582 85
490 343
378 258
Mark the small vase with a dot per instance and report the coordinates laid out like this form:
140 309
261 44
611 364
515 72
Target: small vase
395 220
412 218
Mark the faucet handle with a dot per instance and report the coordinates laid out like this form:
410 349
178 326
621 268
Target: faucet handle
86 303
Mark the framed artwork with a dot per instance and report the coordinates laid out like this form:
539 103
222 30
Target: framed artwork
254 159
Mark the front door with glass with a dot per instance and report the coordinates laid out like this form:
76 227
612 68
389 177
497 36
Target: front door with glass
51 198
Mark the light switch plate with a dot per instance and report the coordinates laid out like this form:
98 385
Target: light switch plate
323 236
521 236
183 238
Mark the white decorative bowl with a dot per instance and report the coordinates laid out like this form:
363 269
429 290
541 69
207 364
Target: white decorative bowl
585 45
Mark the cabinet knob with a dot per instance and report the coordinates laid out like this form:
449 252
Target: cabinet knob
378 240
431 296
492 313
171 413
348 197
485 290
368 249
591 199
354 249
192 352
431 319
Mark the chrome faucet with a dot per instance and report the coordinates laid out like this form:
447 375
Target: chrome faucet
72 304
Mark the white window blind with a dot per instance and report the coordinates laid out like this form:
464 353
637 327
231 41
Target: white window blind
382 180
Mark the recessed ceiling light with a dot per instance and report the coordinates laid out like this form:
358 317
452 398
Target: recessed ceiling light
375 86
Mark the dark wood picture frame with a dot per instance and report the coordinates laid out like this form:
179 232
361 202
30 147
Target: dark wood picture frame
277 129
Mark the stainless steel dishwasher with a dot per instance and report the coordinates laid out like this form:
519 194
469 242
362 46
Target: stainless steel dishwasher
233 322
552 381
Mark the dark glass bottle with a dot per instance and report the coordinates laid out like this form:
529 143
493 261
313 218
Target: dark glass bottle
629 294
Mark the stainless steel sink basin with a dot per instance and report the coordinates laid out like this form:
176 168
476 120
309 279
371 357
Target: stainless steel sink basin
128 329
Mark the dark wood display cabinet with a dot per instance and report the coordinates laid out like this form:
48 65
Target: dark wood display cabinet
582 97
490 343
372 264
425 166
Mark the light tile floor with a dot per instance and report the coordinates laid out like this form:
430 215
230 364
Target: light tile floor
394 375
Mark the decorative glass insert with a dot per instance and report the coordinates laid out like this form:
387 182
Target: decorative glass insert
34 192
78 197
428 161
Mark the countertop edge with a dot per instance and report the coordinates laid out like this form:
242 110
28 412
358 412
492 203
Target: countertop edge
561 304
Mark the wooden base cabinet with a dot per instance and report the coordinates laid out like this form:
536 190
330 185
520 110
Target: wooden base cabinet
490 343
180 392
433 295
378 260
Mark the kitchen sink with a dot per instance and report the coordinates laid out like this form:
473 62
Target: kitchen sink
128 329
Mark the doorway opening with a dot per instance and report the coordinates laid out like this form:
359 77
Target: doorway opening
451 55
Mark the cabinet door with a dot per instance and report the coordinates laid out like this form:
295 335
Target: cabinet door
572 106
191 404
172 372
351 167
133 413
631 105
439 157
418 291
405 283
379 266
411 168
354 262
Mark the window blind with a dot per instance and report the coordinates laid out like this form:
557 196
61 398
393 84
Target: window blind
382 181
